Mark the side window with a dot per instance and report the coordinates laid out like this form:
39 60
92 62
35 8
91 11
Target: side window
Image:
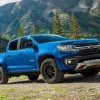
26 43
13 45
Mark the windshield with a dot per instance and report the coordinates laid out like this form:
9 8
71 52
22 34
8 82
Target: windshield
48 38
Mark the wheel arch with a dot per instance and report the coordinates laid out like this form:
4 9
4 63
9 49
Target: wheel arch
43 57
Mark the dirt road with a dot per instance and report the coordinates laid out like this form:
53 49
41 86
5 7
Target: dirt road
72 88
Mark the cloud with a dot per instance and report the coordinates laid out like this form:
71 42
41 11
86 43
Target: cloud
3 2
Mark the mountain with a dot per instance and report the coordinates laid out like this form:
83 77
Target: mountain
40 13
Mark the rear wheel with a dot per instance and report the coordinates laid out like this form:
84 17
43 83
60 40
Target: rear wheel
33 77
50 72
90 72
3 76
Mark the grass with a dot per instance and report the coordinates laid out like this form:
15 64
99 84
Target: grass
18 78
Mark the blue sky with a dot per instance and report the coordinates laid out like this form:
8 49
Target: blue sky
2 2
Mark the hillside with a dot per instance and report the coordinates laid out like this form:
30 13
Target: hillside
40 14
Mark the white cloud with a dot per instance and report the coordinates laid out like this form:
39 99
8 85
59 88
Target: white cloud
3 2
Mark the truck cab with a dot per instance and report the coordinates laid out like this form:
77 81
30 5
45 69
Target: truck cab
51 56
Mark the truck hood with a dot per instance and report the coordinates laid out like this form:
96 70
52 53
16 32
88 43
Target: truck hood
79 42
74 42
50 46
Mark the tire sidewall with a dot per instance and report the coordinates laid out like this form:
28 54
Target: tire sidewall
2 75
90 72
58 74
4 78
33 77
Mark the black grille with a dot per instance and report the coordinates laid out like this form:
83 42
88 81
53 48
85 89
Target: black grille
86 44
90 51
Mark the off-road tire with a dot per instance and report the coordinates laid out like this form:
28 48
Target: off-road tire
33 77
90 72
50 72
3 76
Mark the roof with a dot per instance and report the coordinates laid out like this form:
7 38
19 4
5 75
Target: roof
36 35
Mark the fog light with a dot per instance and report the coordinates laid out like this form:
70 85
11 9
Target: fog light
68 62
71 62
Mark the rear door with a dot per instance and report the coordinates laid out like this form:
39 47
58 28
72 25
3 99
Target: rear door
12 57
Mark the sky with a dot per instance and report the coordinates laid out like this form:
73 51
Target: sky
3 2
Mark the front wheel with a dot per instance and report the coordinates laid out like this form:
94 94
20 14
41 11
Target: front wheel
50 72
3 76
90 72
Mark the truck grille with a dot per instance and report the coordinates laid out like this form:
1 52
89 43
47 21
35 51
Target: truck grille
89 52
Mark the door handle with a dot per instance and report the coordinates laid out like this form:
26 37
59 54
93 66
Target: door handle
20 54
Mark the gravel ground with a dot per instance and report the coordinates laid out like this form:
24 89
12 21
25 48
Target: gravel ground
72 88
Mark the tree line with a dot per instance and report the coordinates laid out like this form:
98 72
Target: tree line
59 27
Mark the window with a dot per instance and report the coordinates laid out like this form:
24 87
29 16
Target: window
26 43
13 45
48 38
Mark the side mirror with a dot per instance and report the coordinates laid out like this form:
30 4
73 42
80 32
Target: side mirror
29 45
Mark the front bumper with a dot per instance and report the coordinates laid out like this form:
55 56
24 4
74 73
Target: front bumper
90 64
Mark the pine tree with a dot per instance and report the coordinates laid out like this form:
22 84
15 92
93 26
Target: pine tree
21 32
57 24
66 27
75 31
34 30
6 36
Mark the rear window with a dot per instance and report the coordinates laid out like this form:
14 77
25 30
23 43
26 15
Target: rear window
13 45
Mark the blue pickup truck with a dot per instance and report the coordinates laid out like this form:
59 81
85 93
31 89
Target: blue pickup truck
51 56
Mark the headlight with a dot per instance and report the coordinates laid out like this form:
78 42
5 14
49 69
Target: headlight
65 48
